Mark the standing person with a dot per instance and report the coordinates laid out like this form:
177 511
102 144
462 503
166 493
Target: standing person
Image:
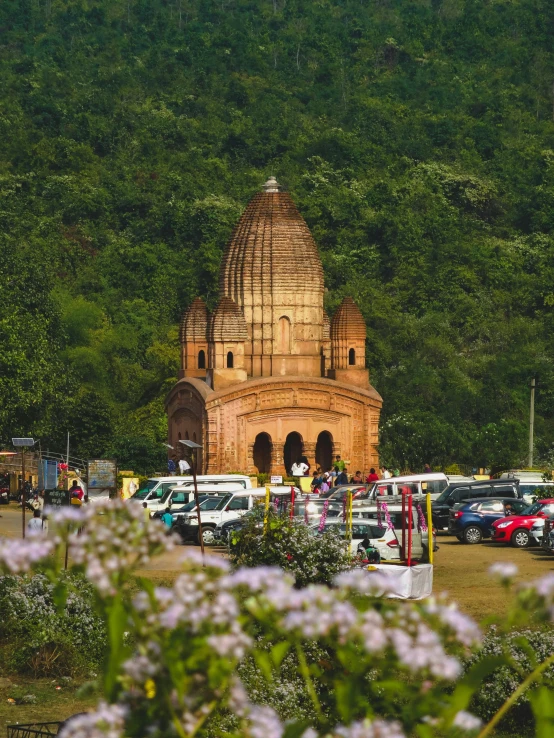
357 478
324 486
372 476
35 523
184 467
76 493
342 477
167 517
299 469
146 510
340 463
170 467
427 469
385 473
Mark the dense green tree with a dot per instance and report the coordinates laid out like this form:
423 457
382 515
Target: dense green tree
416 137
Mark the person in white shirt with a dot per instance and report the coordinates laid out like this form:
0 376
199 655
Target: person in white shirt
184 467
385 473
35 523
299 469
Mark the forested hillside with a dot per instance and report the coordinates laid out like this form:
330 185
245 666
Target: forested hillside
416 136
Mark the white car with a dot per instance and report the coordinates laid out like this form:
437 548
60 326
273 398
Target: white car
157 488
537 530
381 537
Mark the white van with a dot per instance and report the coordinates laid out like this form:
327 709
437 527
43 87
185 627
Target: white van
155 488
231 507
183 494
417 484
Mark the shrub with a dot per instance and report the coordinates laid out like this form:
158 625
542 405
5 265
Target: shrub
524 649
290 545
39 638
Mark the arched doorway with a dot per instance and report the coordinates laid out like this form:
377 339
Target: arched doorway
262 453
294 449
324 450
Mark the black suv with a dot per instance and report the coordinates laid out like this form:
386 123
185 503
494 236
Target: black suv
461 491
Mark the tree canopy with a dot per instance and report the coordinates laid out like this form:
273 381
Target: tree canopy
416 136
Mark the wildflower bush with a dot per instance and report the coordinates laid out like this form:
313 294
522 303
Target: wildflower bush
39 636
289 545
365 667
523 649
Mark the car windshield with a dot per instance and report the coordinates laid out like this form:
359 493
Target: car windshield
206 503
443 497
143 492
532 509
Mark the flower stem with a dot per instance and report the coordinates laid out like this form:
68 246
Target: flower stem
516 694
305 671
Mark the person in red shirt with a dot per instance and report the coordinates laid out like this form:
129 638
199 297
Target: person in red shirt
372 476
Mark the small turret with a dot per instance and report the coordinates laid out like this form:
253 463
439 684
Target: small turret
348 335
194 343
226 336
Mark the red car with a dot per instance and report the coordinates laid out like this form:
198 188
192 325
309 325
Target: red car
515 528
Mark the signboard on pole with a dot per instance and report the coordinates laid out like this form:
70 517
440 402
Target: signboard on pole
102 478
56 497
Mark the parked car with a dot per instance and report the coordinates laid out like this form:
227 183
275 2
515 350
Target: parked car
418 484
181 495
180 511
471 521
232 506
371 513
462 491
517 529
380 537
537 531
359 491
156 487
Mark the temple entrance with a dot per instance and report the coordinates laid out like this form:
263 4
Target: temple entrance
293 450
262 453
324 450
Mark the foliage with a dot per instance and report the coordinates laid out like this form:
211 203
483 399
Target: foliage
416 138
365 665
42 639
290 545
524 648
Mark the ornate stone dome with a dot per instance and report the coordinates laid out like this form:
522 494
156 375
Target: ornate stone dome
271 251
227 323
194 322
348 322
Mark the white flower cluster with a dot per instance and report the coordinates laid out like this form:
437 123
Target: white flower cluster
19 556
108 721
319 612
112 537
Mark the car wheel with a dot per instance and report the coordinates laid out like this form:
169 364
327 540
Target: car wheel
208 536
473 534
520 538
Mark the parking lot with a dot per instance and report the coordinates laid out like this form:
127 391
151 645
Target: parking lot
460 570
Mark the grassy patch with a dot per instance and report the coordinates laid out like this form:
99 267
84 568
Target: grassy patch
50 704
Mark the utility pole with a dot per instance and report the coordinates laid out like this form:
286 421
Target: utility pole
23 492
531 423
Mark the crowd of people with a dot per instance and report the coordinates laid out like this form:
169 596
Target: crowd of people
337 474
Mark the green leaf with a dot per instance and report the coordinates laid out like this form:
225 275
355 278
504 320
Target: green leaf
278 653
542 703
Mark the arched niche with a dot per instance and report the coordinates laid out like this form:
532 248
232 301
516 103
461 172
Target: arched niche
351 357
293 449
262 453
283 335
201 359
324 451
230 360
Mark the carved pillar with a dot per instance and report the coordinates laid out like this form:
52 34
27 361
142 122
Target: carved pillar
309 453
277 460
251 467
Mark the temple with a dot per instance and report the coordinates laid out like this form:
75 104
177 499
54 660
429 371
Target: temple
267 377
